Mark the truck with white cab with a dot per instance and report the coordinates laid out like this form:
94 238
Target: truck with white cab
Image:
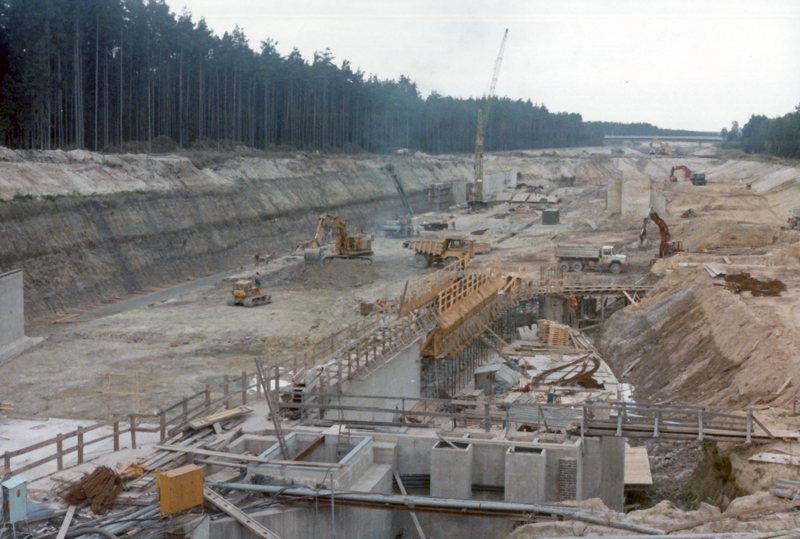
578 257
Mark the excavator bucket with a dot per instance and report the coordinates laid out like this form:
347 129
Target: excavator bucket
313 257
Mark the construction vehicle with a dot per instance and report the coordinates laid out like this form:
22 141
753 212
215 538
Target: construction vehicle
578 257
442 251
668 247
345 246
663 148
697 178
398 228
476 200
794 220
248 294
437 225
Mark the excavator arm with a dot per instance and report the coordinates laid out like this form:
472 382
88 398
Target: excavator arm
325 222
686 172
667 247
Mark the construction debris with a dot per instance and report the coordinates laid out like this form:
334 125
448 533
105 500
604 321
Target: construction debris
103 486
744 282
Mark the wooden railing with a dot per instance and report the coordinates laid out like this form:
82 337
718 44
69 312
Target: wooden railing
166 422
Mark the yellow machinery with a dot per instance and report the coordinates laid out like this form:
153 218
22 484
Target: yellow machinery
180 489
247 294
443 251
345 246
476 197
663 149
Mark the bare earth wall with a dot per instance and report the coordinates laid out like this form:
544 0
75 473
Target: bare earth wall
179 222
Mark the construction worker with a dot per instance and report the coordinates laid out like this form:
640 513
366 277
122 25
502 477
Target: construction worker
551 394
453 223
256 280
600 264
258 258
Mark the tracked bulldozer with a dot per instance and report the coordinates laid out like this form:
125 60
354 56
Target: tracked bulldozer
345 246
248 294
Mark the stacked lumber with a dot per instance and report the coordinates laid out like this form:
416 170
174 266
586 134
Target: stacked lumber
544 325
557 335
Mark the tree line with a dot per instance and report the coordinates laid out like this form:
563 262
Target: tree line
102 74
772 136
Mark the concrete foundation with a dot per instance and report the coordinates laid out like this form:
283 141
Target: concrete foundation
12 316
451 471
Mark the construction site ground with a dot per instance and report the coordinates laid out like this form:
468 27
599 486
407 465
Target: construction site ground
696 342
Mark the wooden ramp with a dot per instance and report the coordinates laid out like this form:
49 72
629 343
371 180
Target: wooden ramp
637 467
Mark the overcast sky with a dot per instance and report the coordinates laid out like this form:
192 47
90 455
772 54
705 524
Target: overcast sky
683 64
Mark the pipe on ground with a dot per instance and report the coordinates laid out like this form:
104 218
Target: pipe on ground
446 503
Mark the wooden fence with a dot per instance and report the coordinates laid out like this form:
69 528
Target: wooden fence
166 422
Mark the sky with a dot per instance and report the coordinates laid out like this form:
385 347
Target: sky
680 64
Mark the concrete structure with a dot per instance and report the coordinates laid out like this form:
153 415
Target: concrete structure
515 469
401 373
12 316
495 181
451 470
614 196
635 194
525 474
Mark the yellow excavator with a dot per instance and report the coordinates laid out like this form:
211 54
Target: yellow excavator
663 148
345 246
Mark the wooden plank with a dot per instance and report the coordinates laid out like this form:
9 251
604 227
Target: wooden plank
309 449
62 532
247 458
413 514
235 513
775 458
630 299
786 383
637 467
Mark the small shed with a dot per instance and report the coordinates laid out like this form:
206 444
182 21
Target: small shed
496 378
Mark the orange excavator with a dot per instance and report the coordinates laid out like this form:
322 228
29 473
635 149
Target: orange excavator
667 247
697 178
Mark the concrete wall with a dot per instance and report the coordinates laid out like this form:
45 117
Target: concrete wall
614 196
496 180
635 194
12 316
525 475
603 471
658 201
398 377
451 471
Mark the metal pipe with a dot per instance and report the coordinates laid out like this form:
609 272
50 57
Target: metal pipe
748 535
447 503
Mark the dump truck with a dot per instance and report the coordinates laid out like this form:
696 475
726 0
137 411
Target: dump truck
578 257
248 294
442 251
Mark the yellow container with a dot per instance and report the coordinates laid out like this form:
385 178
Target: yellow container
180 489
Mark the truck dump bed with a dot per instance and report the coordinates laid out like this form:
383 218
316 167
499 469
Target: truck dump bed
428 247
577 251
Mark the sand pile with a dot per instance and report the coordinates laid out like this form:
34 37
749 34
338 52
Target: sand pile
340 275
698 343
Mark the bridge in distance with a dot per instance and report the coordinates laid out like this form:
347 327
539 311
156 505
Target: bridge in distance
663 137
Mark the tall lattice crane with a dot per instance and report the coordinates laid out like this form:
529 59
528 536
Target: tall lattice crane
476 199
